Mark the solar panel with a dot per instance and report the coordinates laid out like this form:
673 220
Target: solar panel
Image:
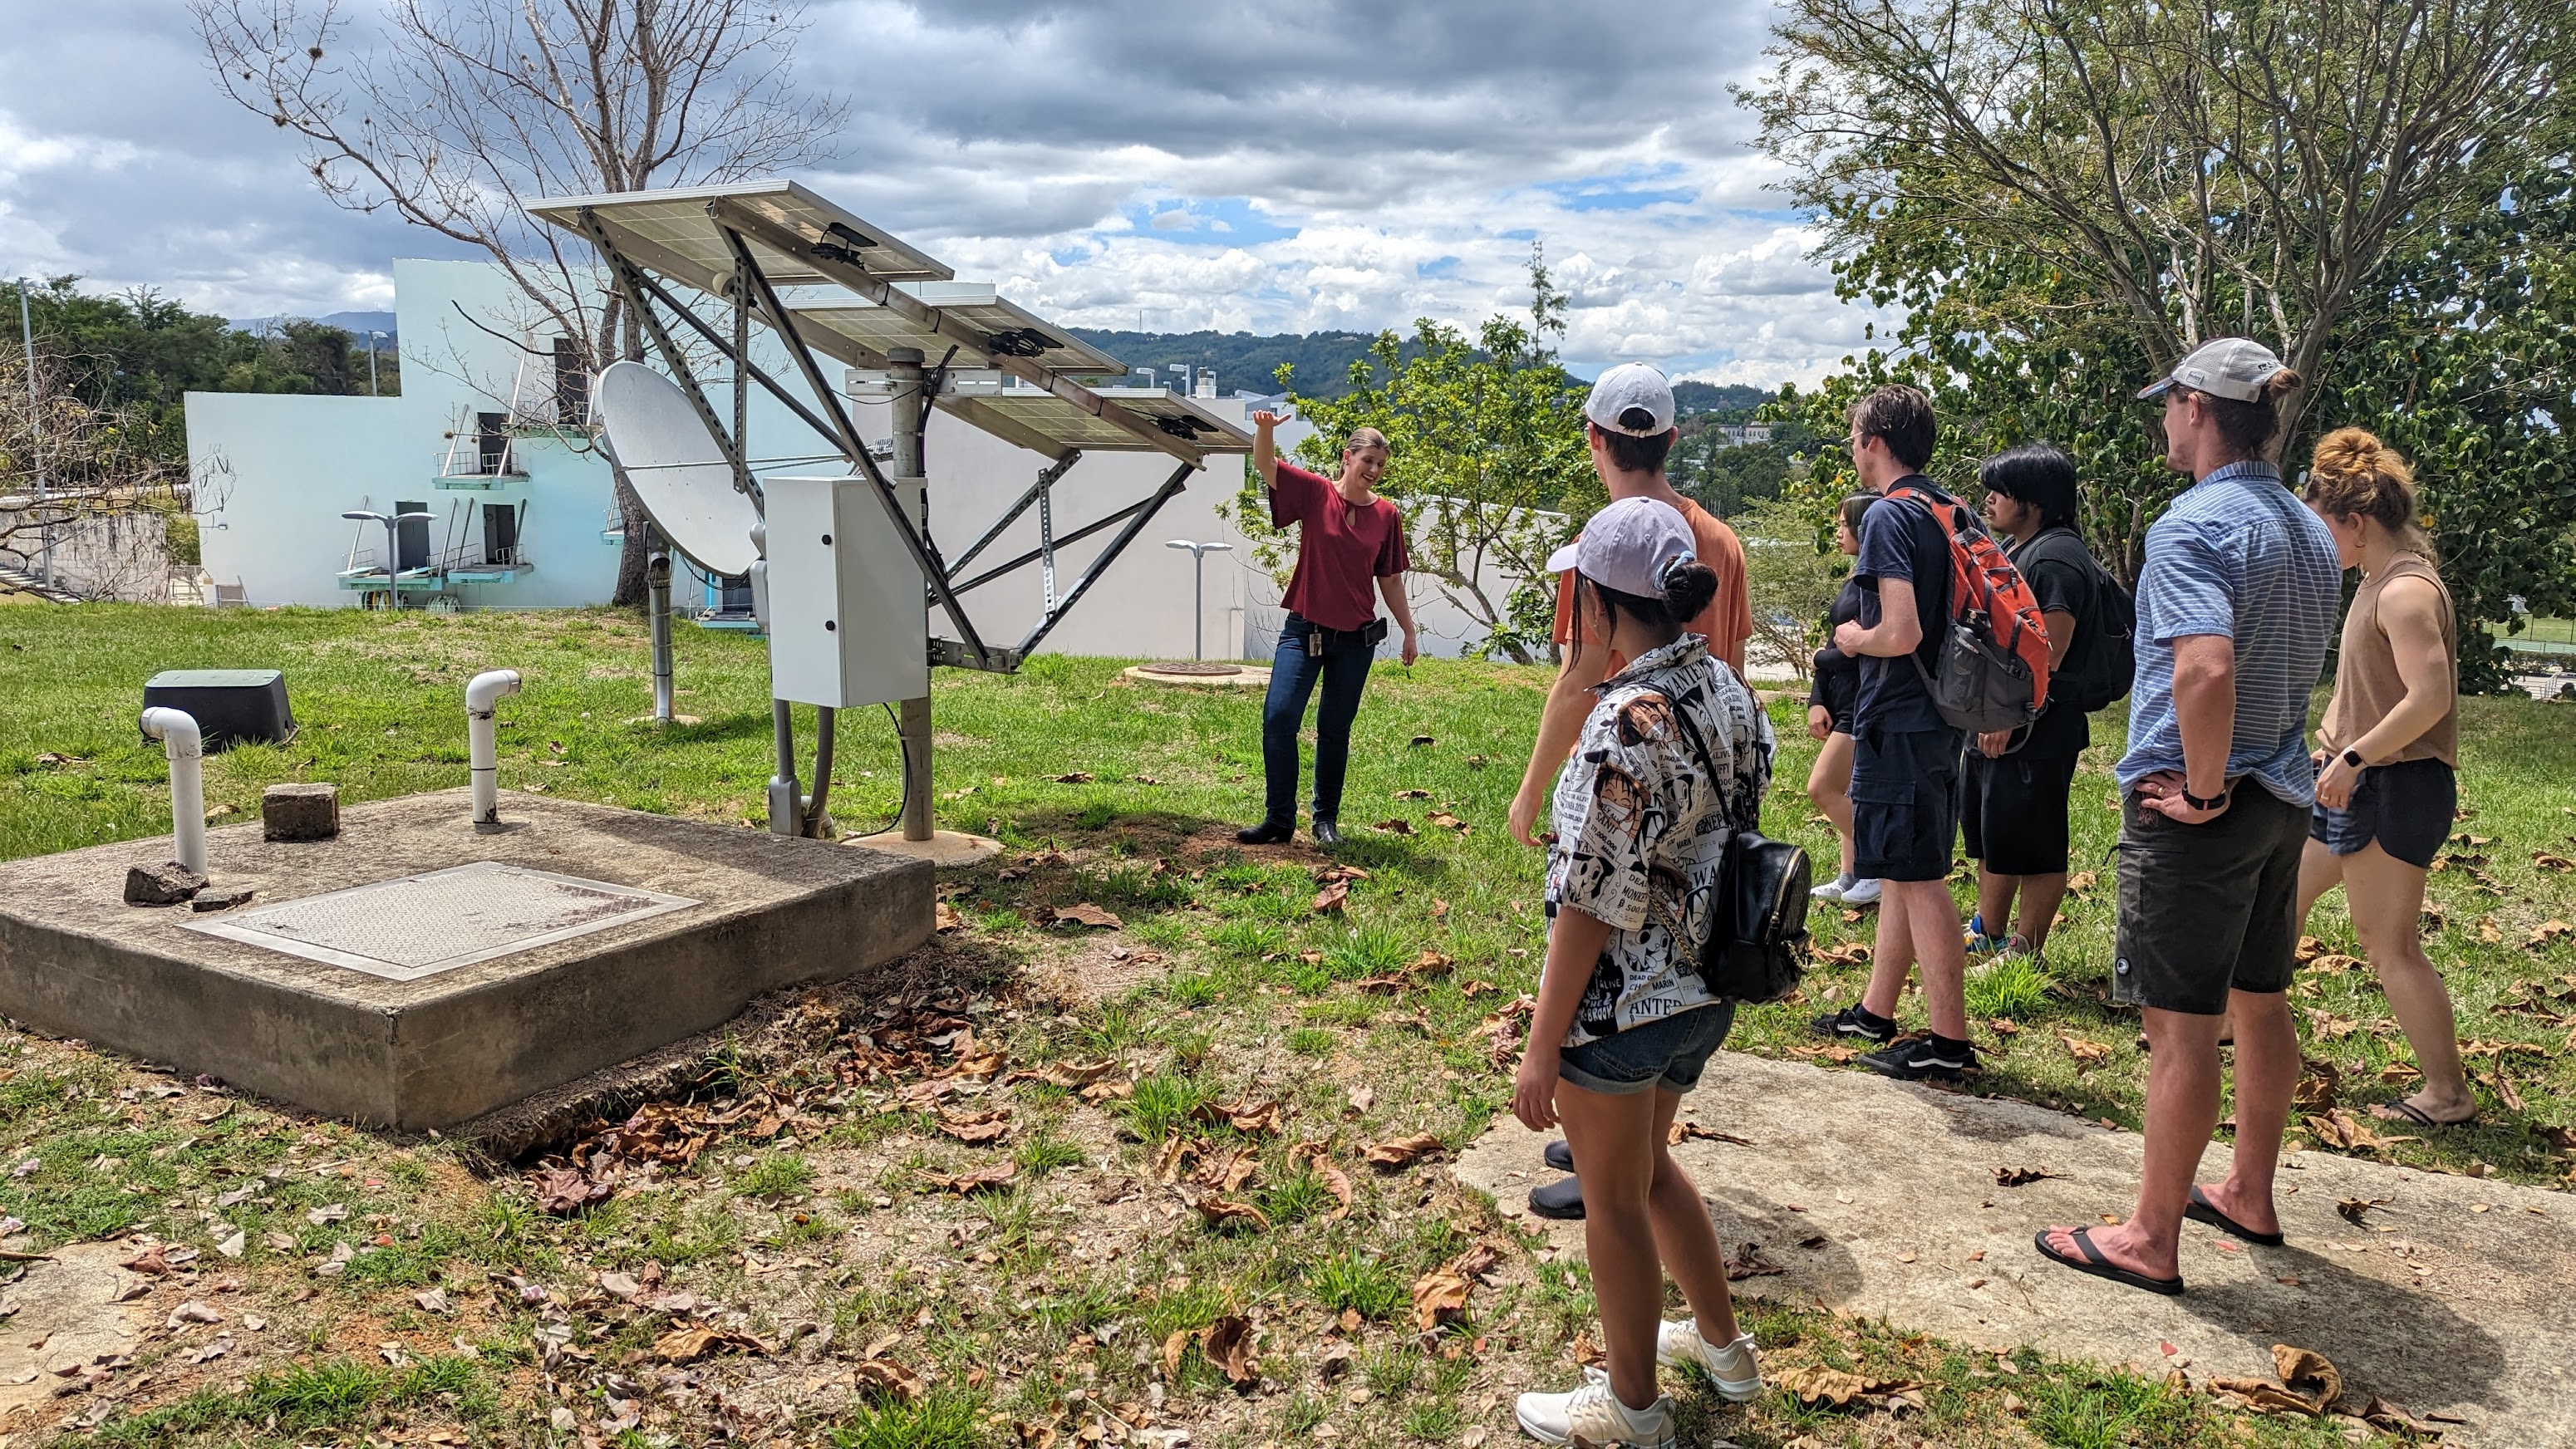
1006 330
1051 425
671 232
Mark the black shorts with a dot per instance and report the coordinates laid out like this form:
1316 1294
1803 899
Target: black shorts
2012 812
1905 803
2407 807
2208 908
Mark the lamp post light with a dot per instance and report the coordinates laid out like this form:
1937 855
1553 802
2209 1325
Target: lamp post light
1198 590
371 362
393 547
36 426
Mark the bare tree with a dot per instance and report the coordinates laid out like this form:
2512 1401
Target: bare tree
467 110
101 517
2199 168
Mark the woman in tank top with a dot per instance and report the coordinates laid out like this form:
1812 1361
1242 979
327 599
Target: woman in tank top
2386 791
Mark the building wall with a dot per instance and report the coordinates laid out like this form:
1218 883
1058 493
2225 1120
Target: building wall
282 469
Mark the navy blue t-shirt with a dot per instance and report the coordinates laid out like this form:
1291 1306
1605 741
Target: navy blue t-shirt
1900 541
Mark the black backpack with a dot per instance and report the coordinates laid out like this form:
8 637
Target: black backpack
1757 940
2104 662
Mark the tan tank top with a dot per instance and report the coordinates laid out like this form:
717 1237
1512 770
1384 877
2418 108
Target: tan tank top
2367 684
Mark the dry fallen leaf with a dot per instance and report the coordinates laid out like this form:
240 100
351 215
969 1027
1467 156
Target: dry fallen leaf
1688 1131
944 917
1222 1214
1360 1100
990 1126
1066 1074
1438 1296
2306 1365
1401 1150
1814 1384
1331 897
565 1190
1244 1117
1394 826
2546 932
1228 1344
996 1175
2022 1176
697 1340
2353 1207
2082 1050
1085 914
884 1379
1335 1181
1751 1264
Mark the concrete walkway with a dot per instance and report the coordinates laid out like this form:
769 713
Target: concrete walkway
2452 1297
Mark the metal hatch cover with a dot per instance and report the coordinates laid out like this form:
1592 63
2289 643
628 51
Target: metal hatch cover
421 925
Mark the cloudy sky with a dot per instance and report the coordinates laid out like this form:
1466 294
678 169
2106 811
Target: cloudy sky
1247 167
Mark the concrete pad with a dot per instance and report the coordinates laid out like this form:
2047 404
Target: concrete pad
63 1314
2450 1298
431 1044
946 849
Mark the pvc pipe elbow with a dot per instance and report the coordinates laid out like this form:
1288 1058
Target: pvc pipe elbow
488 688
177 731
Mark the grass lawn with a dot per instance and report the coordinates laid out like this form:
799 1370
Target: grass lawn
408 1289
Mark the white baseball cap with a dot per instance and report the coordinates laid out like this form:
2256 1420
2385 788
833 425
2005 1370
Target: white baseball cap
1625 390
1629 546
2229 367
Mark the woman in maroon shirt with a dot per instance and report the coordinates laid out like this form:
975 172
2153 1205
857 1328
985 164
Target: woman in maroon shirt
1350 546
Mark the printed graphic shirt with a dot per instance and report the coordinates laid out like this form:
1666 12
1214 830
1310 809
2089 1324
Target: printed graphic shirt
1641 828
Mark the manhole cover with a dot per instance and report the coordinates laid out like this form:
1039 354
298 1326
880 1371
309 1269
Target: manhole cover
421 925
1193 667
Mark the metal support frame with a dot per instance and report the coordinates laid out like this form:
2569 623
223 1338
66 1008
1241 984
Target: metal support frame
1143 514
1048 477
633 286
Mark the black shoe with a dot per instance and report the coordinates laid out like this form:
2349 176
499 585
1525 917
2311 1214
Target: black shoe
1268 832
1327 833
1924 1059
1856 1020
1561 1199
1560 1156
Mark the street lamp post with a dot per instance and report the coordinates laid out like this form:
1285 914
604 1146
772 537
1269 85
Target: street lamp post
36 425
371 362
1198 590
393 548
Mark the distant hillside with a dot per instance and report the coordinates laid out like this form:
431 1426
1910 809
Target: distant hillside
1733 401
356 324
1242 361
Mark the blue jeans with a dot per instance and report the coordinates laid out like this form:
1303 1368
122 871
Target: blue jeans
1344 667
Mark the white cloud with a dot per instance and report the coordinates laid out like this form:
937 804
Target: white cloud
1342 163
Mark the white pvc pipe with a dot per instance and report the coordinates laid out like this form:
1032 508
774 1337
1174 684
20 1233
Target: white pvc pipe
482 693
176 729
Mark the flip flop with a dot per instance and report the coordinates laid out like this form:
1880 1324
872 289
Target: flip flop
2202 1210
2099 1266
2402 1110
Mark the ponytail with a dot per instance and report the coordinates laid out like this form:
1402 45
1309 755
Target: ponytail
1688 586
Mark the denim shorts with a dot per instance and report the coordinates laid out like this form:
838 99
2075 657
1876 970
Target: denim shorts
2407 807
1669 1053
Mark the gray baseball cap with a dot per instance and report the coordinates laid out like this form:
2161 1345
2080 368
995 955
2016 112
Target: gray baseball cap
2229 367
1628 546
1630 387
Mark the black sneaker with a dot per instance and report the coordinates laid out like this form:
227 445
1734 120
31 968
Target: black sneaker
1561 1199
1327 833
1858 1021
1560 1156
1924 1058
1268 832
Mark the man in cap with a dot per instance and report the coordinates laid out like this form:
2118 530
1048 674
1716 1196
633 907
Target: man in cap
2235 606
1628 423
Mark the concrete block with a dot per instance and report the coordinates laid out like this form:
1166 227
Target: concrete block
300 811
165 883
448 1043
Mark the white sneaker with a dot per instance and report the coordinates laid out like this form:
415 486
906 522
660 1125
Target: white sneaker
1736 1369
1832 890
1861 893
1593 1415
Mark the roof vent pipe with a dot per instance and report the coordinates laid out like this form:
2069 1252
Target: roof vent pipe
482 693
176 729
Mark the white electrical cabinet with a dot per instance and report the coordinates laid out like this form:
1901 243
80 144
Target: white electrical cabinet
848 619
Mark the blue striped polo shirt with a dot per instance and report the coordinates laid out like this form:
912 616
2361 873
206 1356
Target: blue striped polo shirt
2239 557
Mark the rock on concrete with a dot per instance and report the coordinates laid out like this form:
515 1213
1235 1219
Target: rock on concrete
300 811
2450 1298
164 884
220 898
459 1041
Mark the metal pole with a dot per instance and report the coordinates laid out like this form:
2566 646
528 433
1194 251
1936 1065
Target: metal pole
371 362
1198 604
904 370
36 426
657 578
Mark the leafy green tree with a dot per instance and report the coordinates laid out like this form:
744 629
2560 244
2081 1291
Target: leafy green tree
1487 461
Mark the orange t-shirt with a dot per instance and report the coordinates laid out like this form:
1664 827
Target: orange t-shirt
1727 621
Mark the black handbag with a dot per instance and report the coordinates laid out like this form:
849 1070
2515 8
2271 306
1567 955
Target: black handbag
1756 949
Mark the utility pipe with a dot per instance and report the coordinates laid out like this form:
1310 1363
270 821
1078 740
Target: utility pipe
176 729
482 694
657 580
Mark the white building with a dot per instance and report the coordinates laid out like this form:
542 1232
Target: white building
522 513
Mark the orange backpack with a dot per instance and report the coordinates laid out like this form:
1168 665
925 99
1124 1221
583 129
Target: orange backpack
1991 672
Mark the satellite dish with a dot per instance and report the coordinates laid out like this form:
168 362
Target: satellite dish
676 467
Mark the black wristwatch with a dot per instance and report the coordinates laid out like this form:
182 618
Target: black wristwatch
2197 803
2354 759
